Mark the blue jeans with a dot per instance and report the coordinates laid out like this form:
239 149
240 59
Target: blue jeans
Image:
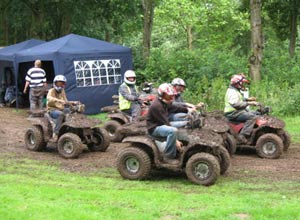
171 134
178 120
58 117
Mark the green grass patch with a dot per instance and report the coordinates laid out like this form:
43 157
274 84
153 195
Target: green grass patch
37 190
292 126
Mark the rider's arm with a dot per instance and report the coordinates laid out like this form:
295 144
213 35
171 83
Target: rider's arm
123 90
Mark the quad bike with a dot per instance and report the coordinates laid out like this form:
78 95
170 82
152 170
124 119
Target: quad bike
203 157
215 121
268 136
76 131
119 118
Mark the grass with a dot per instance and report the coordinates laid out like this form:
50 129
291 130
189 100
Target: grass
32 189
292 126
37 190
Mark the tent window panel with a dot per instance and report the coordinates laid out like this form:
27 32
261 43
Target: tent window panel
104 81
103 72
97 72
88 82
87 73
111 72
118 79
80 82
79 74
97 81
111 80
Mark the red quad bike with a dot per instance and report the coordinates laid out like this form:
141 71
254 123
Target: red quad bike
76 131
203 157
268 136
118 118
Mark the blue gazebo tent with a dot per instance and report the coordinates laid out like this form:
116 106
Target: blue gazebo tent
94 69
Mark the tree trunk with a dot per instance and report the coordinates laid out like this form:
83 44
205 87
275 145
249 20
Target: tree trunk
293 27
190 37
148 6
255 59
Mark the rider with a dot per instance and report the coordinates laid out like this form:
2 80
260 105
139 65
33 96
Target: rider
179 87
129 96
236 105
158 123
56 99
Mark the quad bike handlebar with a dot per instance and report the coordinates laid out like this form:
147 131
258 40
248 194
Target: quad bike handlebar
74 106
262 109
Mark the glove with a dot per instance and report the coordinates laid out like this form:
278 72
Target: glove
251 99
200 105
253 103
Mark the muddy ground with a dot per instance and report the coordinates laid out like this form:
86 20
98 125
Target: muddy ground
245 164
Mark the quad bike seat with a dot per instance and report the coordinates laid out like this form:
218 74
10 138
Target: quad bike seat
37 113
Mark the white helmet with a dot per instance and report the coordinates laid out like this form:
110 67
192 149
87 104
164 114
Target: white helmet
59 78
178 82
129 73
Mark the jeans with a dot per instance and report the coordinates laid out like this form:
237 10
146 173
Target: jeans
249 117
171 134
58 117
36 98
178 120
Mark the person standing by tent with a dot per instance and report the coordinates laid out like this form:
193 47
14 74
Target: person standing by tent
37 82
129 96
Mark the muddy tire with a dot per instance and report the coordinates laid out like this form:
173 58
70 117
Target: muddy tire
203 169
224 160
69 145
111 127
230 144
34 139
269 146
101 139
286 139
133 163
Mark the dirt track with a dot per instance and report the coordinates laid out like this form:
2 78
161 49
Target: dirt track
245 164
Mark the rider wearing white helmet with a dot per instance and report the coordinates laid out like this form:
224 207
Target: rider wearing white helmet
129 95
179 86
158 123
56 98
236 105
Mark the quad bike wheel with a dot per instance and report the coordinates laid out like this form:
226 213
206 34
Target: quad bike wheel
224 160
269 146
34 139
101 140
112 127
69 145
230 144
133 163
203 169
286 138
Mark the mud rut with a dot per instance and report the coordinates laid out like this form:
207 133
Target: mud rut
245 164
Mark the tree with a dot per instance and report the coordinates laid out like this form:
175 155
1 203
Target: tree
284 18
148 7
256 40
